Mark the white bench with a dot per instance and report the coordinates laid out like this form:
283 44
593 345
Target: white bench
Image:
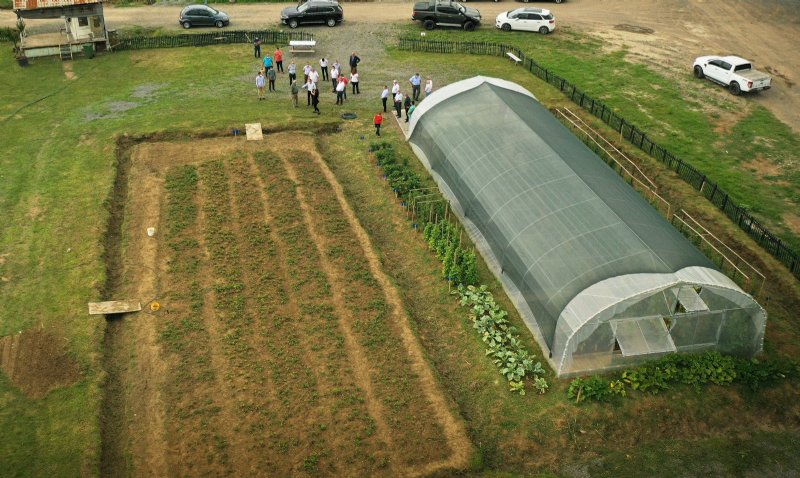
302 46
514 57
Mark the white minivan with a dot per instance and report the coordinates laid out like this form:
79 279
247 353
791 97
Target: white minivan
527 19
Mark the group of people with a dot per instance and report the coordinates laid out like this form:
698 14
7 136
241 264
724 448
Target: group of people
334 73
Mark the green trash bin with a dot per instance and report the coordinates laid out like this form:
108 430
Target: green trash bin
88 50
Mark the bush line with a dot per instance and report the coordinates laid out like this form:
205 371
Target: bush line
459 266
688 369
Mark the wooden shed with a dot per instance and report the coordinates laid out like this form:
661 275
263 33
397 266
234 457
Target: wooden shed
83 25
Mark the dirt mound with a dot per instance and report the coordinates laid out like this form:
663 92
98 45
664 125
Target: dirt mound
36 362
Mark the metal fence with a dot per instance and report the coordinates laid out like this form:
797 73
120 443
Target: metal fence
766 239
268 37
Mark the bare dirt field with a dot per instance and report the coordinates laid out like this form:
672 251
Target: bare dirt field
665 34
278 342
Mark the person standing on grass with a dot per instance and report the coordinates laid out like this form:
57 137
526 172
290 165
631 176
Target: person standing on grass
315 99
257 47
292 69
306 71
354 61
323 66
354 82
407 105
395 87
260 85
295 91
384 97
398 102
314 75
343 79
428 86
309 87
267 63
278 59
415 81
377 122
341 86
334 77
271 76
411 110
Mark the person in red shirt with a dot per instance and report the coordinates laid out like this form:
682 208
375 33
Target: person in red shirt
278 57
378 121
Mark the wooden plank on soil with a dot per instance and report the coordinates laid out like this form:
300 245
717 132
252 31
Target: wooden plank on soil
114 307
253 131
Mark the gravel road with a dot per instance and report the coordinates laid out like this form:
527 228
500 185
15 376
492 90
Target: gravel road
665 34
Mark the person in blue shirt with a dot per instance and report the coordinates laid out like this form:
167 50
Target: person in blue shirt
415 81
267 63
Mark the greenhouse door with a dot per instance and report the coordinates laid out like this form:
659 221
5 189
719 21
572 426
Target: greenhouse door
642 336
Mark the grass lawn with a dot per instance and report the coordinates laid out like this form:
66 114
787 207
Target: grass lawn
56 175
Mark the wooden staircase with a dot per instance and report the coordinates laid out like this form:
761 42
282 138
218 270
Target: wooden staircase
65 51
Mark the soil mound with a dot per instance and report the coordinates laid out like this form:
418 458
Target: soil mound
36 362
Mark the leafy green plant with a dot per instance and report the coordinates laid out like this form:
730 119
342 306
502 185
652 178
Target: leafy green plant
504 347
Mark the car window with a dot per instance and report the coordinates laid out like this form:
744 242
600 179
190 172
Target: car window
302 8
549 16
715 63
448 10
535 16
725 65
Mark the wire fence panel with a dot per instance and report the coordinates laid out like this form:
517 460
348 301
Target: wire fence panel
268 37
766 239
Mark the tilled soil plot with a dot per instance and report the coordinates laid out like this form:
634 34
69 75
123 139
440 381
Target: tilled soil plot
279 346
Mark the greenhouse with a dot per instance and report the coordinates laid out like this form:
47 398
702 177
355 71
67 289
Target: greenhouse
599 276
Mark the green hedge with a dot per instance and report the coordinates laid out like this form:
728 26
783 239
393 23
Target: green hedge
688 369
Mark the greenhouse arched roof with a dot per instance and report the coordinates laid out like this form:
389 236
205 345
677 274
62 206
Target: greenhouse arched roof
553 217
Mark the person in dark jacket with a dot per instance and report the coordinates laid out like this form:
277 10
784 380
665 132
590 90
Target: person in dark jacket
354 61
407 105
257 47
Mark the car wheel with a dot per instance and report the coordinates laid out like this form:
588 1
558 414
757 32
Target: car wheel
331 22
292 23
469 26
219 24
698 72
506 27
735 88
429 24
544 30
187 25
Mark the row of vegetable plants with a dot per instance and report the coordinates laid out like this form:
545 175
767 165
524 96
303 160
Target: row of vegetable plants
375 323
695 370
430 212
330 421
183 333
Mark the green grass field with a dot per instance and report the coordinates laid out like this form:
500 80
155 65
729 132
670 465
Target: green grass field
57 170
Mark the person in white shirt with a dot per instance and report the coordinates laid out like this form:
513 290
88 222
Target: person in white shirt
310 86
398 102
314 75
384 96
354 82
323 65
334 77
340 87
395 87
428 87
306 71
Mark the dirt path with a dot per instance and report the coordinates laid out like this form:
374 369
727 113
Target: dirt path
665 34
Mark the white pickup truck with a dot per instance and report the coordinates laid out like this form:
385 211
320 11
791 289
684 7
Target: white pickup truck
731 71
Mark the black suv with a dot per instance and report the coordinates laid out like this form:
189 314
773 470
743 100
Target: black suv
313 11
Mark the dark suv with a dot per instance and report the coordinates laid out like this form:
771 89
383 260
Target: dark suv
313 11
